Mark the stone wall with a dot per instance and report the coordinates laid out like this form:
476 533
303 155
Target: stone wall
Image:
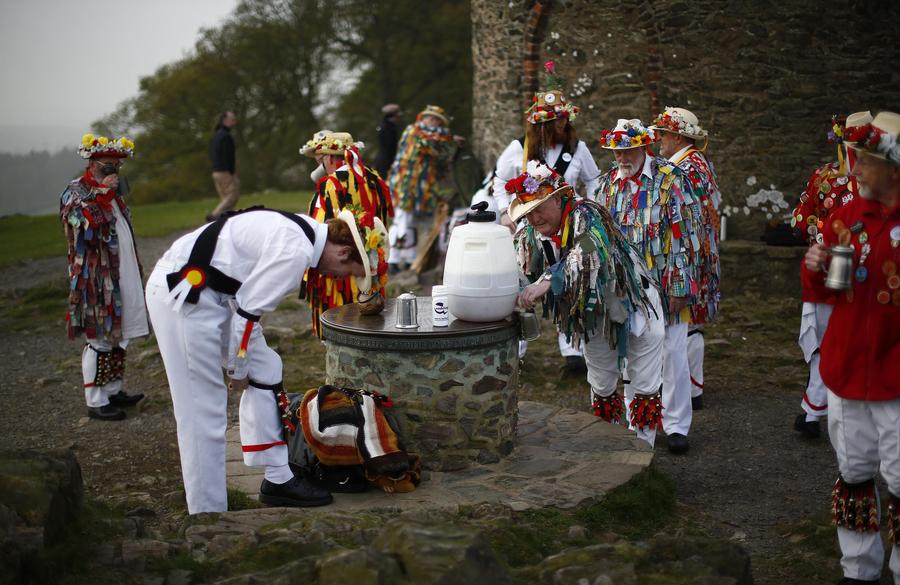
455 407
764 78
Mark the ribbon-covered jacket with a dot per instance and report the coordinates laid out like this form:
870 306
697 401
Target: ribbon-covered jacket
91 231
596 284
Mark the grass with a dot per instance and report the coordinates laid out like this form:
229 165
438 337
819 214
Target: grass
22 310
238 500
24 236
637 509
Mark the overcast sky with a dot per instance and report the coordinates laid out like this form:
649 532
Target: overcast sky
66 63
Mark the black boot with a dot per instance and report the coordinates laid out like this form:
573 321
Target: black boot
697 402
678 443
106 412
296 492
575 364
122 398
809 429
851 581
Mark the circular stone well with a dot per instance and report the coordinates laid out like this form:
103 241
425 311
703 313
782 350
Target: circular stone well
454 388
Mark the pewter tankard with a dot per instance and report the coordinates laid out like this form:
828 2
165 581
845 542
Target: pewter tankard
840 271
407 311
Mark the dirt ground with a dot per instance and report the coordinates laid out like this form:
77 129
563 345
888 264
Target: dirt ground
748 476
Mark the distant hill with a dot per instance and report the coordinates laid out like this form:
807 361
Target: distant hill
31 183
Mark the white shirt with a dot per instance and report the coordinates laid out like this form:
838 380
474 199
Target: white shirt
509 166
268 253
134 311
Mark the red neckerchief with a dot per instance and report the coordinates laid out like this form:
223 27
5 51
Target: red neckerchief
636 179
567 210
103 195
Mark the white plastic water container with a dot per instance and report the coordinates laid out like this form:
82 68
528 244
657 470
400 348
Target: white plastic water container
480 270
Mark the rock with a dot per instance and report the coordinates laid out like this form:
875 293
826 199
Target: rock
180 577
488 384
351 566
440 552
41 493
137 552
577 532
83 421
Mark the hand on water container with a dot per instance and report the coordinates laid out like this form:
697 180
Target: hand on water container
532 293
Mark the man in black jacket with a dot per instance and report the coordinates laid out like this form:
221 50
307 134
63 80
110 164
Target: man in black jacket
388 135
221 155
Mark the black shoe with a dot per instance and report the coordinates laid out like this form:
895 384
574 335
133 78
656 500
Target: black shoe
296 492
697 402
122 398
678 443
106 412
851 581
575 364
809 429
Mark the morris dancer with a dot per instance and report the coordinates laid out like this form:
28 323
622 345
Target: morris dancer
679 130
349 182
424 155
860 361
829 188
550 138
659 214
106 298
206 296
597 289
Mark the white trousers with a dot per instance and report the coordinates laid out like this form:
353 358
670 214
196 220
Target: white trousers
676 394
695 351
96 396
645 357
812 329
866 438
408 225
566 349
193 343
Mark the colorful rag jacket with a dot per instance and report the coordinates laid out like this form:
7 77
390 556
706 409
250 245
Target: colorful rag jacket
423 158
95 303
596 284
705 185
333 193
662 220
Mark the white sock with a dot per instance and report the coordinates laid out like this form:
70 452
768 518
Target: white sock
279 473
811 418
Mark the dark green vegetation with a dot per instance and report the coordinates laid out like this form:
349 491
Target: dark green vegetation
289 68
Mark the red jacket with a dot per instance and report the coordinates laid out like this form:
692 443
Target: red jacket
860 354
827 190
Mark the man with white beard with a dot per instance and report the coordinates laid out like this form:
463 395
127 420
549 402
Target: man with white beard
860 353
679 130
656 208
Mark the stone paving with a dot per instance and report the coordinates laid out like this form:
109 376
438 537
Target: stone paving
562 458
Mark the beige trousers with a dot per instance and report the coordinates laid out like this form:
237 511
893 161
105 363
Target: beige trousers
228 186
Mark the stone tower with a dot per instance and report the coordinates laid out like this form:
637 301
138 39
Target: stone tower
764 78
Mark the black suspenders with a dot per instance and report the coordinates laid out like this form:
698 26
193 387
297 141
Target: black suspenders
199 270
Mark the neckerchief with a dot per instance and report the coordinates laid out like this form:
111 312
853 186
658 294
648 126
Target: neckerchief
103 195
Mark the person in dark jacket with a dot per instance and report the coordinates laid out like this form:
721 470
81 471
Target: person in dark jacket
388 135
221 155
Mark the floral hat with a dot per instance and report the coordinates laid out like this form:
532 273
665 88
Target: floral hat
679 121
535 186
370 237
550 104
100 146
627 134
436 111
327 142
878 138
